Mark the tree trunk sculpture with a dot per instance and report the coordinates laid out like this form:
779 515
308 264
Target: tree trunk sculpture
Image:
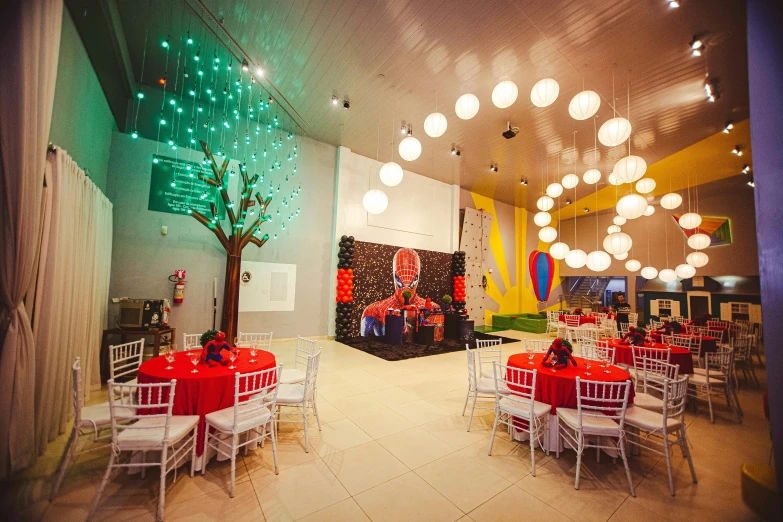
239 236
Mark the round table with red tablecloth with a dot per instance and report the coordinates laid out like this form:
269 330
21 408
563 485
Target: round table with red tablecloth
209 390
708 344
623 354
583 319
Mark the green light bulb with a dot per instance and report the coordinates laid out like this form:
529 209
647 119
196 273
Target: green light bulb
165 43
179 109
172 101
140 95
192 92
134 135
209 90
162 121
190 41
197 56
200 109
154 160
200 72
173 184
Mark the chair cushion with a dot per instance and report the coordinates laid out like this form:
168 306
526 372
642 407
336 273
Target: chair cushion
292 376
290 393
250 416
520 407
716 374
648 402
484 385
100 414
590 425
648 420
699 379
152 436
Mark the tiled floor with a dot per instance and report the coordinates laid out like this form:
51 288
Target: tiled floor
394 447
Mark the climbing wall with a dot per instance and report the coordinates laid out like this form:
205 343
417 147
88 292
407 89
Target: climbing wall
475 243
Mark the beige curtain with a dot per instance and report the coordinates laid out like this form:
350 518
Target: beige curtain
30 41
72 291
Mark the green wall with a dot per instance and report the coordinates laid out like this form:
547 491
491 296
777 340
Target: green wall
82 122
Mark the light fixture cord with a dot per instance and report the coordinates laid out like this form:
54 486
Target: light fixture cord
559 230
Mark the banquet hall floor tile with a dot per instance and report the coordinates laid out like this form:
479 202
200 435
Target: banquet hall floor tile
394 446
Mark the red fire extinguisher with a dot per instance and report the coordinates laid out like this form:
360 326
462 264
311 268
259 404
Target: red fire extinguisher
179 285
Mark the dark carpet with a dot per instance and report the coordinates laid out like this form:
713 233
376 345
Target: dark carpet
389 352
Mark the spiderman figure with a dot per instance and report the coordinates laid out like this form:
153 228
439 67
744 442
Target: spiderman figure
406 266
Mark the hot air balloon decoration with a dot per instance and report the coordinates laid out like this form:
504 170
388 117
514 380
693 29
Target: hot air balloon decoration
542 270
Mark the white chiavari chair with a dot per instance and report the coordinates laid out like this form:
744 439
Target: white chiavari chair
597 351
716 379
515 392
651 375
488 351
598 421
586 334
141 421
255 398
537 345
552 321
190 341
301 395
124 361
304 349
261 340
481 390
743 360
633 318
665 429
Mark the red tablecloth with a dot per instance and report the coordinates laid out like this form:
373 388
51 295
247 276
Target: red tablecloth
558 389
582 319
623 354
708 344
211 389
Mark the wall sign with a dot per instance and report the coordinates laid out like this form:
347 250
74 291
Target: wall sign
188 190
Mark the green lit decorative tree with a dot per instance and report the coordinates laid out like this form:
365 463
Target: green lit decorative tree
239 237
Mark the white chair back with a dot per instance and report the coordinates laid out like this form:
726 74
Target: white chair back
642 353
653 374
586 334
489 351
262 341
598 351
78 398
304 349
255 392
520 382
471 367
633 318
720 361
601 400
132 402
190 341
311 374
624 327
572 320
125 359
537 345
675 397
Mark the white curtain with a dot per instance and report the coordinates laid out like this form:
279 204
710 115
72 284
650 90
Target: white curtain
30 41
72 291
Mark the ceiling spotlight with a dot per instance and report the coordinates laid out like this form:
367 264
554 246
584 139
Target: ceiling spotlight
245 65
523 181
711 89
751 183
674 4
737 151
746 169
493 167
410 130
587 209
697 46
728 127
568 202
455 150
260 71
403 128
346 104
334 99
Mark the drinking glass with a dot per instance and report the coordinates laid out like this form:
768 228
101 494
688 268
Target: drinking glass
253 352
530 358
170 357
194 358
233 354
588 365
606 364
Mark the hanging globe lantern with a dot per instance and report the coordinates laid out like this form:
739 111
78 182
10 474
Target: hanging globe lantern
612 229
630 169
554 190
598 260
619 220
559 250
671 201
650 211
690 220
545 203
697 259
504 94
614 132
544 92
685 271
667 275
621 257
592 176
375 201
645 185
584 105
614 180
435 125
632 265
631 206
618 243
542 219
570 181
547 234
576 258
467 106
391 174
649 272
699 241
410 149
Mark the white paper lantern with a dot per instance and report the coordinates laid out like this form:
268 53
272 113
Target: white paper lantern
621 257
435 125
375 201
584 105
649 272
559 250
410 148
598 260
671 201
619 220
690 220
576 258
554 190
547 234
618 243
667 275
614 180
592 176
650 210
391 174
685 271
544 92
631 206
545 203
570 181
542 219
697 259
504 94
632 265
467 106
699 241
630 169
645 185
612 229
614 132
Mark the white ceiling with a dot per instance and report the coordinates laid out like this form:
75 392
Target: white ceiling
390 57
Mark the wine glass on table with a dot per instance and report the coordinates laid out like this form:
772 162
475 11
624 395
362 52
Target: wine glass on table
233 354
170 357
194 358
605 357
588 365
253 352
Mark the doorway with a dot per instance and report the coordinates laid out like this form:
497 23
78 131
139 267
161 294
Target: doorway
699 303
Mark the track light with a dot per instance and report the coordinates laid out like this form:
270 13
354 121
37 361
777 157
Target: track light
455 150
674 4
746 169
260 71
697 46
245 65
493 167
729 126
346 104
751 183
737 151
410 130
587 210
403 128
711 90
568 202
523 181
334 99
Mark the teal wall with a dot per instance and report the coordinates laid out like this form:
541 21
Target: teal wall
82 122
